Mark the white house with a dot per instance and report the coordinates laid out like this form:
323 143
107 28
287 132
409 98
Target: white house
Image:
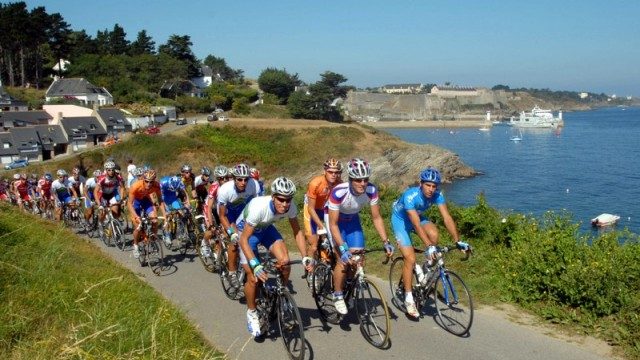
583 95
78 89
402 88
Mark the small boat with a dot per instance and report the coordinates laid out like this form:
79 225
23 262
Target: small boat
603 220
484 128
517 138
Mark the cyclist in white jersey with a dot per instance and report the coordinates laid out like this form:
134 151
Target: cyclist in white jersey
89 199
65 193
256 227
232 197
345 202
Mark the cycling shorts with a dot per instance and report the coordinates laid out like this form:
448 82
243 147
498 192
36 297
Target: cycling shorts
403 227
110 199
351 230
144 204
172 204
25 197
310 226
266 237
66 199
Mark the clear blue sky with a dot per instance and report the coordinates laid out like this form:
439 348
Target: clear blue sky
562 45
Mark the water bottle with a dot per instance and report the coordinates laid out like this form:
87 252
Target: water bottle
420 273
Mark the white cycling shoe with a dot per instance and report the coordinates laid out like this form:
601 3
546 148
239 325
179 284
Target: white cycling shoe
340 305
412 310
253 323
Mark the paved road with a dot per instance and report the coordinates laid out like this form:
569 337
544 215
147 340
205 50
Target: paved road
222 321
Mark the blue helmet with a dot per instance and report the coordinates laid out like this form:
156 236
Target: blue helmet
175 183
430 175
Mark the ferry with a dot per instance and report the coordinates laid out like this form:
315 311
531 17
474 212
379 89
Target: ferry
537 118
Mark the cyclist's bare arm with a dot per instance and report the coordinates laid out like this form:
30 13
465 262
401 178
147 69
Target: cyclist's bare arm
415 221
311 207
222 214
378 223
208 214
333 227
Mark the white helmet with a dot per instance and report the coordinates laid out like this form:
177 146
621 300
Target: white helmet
283 186
358 169
220 171
97 173
240 170
61 172
109 165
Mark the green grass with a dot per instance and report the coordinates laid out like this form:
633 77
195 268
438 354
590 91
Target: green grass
61 298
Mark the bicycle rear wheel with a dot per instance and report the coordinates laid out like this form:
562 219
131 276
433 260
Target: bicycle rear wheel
233 292
118 235
207 261
290 324
105 234
373 314
453 303
396 283
322 292
155 255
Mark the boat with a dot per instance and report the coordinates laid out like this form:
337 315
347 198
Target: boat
537 118
517 138
484 128
603 220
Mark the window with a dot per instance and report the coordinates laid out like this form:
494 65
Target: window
6 145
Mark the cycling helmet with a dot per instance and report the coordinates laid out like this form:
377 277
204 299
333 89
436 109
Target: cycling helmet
150 175
61 172
97 173
48 177
333 164
174 183
240 170
34 176
23 176
221 171
430 175
16 176
255 173
205 171
109 165
186 168
283 186
138 172
358 169
76 171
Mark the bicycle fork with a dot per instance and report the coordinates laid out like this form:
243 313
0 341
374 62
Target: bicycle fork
448 289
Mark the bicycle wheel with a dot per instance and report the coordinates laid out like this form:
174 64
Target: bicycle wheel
232 291
396 283
155 255
142 246
322 292
105 234
290 325
118 235
373 314
208 262
453 303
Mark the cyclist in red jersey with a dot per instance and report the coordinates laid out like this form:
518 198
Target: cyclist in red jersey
211 212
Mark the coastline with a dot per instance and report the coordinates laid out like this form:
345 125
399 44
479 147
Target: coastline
429 124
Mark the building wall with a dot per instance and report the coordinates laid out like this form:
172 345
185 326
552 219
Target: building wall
66 111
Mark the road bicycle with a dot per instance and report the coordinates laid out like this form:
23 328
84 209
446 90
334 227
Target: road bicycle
111 230
211 261
446 290
233 290
151 253
181 227
274 301
359 292
71 213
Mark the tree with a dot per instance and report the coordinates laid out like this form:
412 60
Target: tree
179 47
58 34
314 105
118 43
80 44
219 66
333 81
278 82
143 44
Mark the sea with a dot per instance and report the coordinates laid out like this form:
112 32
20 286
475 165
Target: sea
588 167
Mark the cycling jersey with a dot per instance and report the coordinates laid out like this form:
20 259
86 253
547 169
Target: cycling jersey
261 214
319 189
235 201
213 190
62 190
22 187
138 190
200 184
109 186
45 188
349 205
411 199
77 184
90 185
170 197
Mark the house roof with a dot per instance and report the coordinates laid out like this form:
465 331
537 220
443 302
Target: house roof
26 117
73 87
24 135
51 134
89 124
5 137
113 117
401 86
455 88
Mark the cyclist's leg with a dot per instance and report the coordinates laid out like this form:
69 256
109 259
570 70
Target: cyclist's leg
401 228
352 235
114 203
88 209
272 240
251 283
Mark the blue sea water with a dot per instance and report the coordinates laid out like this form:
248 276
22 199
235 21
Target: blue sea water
589 167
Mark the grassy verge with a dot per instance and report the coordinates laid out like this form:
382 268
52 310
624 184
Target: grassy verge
61 298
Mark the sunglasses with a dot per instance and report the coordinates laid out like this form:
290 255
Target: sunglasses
334 172
283 199
148 181
242 179
361 180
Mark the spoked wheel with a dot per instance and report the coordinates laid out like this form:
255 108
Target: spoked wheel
233 291
396 283
105 234
453 303
373 314
143 253
155 255
208 262
118 235
290 324
322 291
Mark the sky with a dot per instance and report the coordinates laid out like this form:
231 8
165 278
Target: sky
571 45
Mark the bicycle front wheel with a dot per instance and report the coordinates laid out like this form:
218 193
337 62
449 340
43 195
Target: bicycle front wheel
453 303
373 314
290 324
322 291
118 235
396 283
233 288
155 255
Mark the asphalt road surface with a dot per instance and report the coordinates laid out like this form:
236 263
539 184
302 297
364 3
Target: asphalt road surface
223 322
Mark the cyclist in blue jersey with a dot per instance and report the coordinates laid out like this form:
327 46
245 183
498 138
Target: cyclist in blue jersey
407 216
173 190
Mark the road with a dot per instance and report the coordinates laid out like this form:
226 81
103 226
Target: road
222 321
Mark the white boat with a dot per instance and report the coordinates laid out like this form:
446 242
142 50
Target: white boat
517 138
603 220
537 118
484 128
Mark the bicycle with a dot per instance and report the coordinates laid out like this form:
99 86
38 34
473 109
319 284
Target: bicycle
111 230
91 225
273 299
233 291
180 227
150 252
211 263
71 213
359 292
446 289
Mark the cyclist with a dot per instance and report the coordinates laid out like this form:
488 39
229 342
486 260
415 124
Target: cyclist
44 188
65 193
232 197
89 195
172 189
408 216
315 201
77 181
4 189
21 191
255 225
345 202
255 175
144 195
109 190
188 178
201 184
32 184
211 212
131 173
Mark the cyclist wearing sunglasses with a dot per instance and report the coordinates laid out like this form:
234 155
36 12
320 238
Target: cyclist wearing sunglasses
232 198
211 212
255 225
145 195
408 216
315 201
345 202
65 193
109 190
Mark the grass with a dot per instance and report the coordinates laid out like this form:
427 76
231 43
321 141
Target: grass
62 298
